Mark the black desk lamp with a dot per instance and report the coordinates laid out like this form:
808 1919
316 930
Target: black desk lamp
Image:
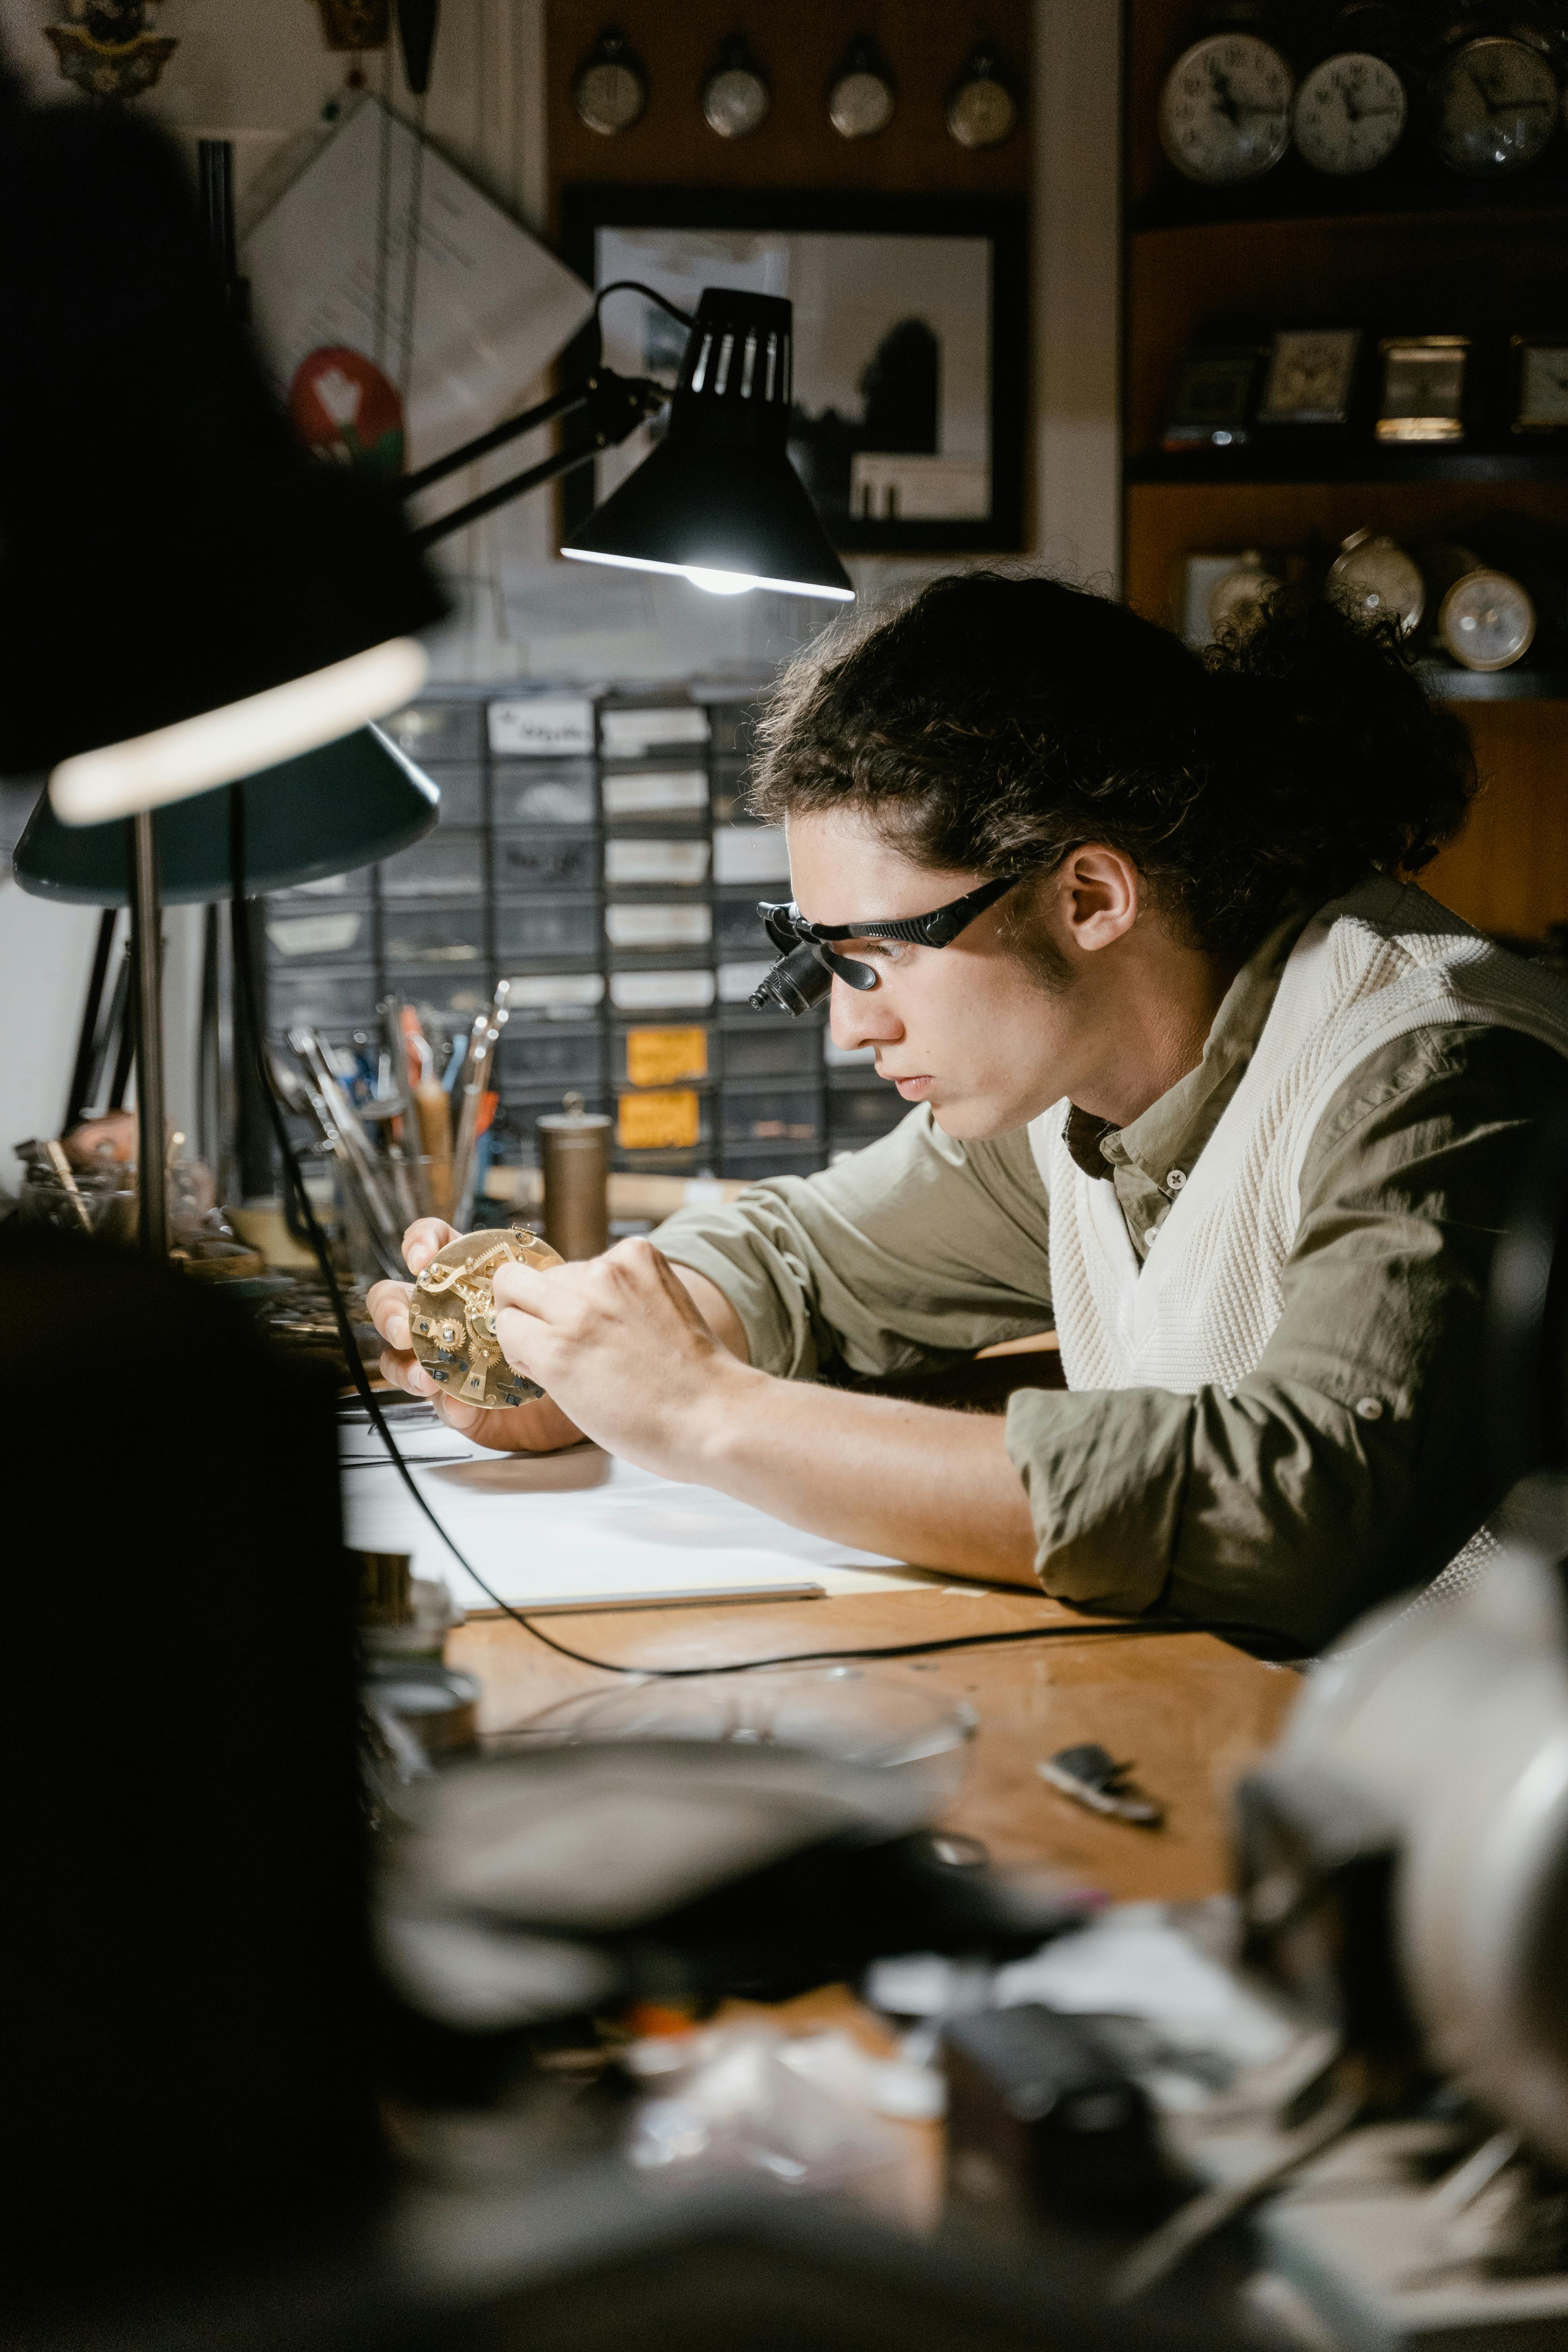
290 648
186 599
716 501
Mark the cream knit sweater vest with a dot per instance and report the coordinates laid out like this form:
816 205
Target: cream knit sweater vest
1373 966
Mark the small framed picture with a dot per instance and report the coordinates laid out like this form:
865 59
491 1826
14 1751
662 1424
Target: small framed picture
1539 383
1311 376
1210 402
1423 388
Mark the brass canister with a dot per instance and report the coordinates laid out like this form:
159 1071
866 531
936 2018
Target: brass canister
575 1155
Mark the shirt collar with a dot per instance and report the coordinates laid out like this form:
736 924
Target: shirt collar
1167 1138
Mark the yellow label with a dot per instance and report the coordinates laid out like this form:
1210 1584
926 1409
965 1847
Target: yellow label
657 1057
670 1122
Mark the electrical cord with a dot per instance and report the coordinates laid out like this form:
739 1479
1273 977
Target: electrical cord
244 975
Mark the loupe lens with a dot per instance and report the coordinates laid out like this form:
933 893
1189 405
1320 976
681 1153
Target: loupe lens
796 982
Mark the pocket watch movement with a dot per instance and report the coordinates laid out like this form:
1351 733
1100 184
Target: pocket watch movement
452 1317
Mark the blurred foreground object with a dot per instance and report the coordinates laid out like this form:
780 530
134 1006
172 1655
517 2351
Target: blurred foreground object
185 1857
290 591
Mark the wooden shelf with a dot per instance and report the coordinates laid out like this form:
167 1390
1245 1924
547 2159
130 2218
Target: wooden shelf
1264 463
1305 198
1452 683
1410 249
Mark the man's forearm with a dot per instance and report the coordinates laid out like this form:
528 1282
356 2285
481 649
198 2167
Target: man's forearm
930 1487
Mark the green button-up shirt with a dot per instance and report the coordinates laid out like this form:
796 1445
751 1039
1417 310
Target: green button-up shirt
1348 1466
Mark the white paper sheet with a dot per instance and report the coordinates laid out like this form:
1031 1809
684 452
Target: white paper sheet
553 1526
491 306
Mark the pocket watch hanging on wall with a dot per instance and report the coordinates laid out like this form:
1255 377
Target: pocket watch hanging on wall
860 101
610 92
981 107
736 98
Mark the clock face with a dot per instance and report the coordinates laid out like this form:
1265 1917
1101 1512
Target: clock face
1350 114
1238 600
1486 621
1374 579
1542 389
1224 111
1496 108
1309 376
860 105
735 101
610 97
981 113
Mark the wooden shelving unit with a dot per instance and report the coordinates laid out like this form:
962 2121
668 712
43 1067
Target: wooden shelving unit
1409 250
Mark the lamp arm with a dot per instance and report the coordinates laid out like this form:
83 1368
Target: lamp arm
616 405
511 429
559 403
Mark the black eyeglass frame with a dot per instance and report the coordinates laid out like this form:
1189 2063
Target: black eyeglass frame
808 965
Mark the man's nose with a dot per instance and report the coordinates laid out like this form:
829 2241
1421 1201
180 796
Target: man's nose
861 1016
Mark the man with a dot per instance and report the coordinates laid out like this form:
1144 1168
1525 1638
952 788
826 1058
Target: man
1198 1076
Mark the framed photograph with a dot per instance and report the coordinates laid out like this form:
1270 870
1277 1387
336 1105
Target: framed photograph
911 345
1540 384
1423 388
1311 376
1210 402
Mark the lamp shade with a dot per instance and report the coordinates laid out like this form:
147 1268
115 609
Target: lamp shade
329 811
718 500
167 550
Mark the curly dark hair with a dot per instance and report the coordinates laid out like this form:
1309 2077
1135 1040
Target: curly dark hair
996 723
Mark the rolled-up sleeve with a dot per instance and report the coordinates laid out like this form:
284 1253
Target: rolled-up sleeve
1351 1465
911 1254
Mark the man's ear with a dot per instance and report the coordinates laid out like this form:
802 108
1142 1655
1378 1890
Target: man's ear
1100 894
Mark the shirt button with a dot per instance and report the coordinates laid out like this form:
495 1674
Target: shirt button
1369 1407
1153 1235
1174 1181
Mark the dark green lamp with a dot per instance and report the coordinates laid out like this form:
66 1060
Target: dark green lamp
348 804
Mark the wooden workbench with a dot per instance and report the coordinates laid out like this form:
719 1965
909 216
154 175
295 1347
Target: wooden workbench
1192 1711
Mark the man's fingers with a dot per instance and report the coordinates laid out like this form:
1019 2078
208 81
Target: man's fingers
421 1241
388 1306
405 1371
553 1293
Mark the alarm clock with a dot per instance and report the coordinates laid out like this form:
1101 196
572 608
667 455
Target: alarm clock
1372 577
1225 108
1487 620
1494 106
1350 113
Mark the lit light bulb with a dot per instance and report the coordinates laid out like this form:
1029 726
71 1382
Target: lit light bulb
722 583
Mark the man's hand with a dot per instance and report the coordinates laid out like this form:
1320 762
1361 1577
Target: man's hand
537 1428
620 1343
